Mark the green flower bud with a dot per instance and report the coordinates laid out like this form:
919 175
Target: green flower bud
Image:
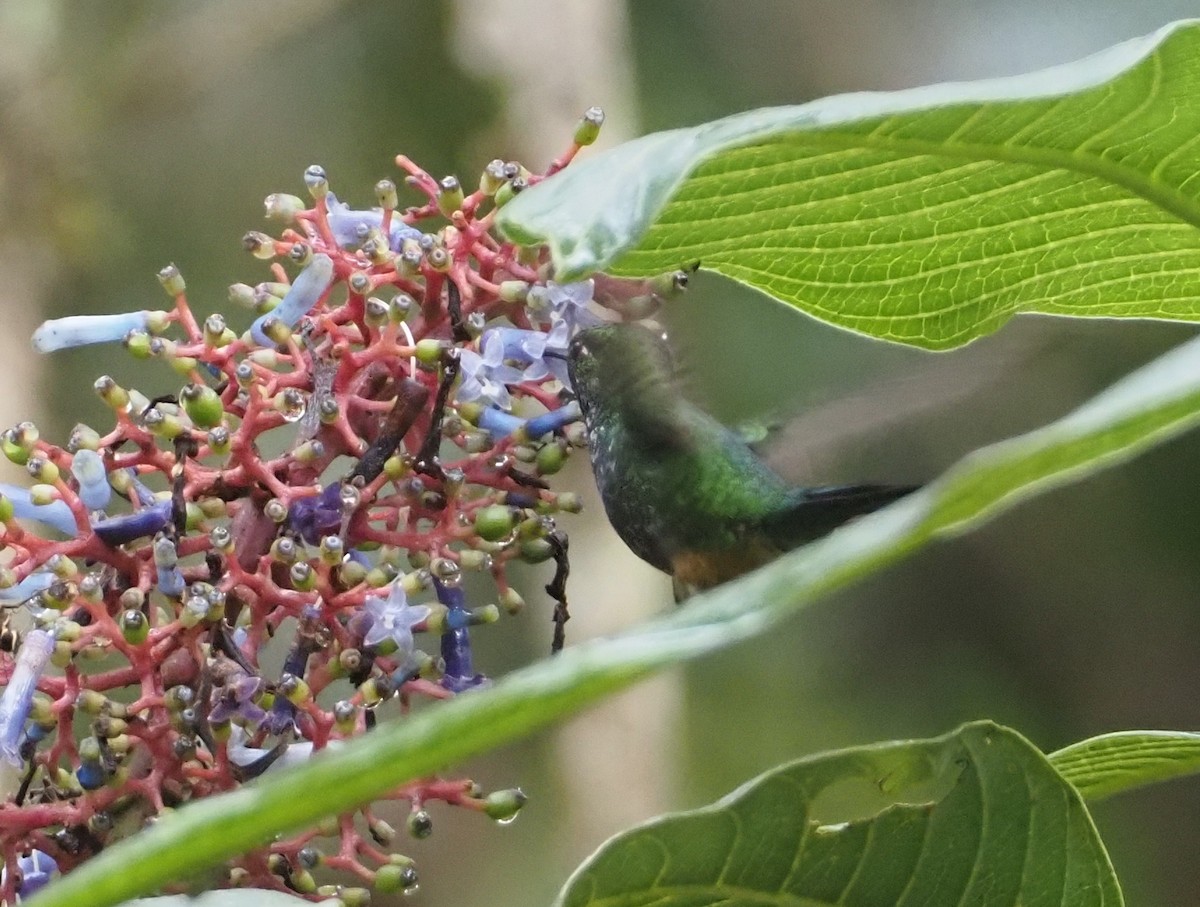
492 177
275 510
303 577
550 458
260 245
112 393
589 126
294 689
303 881
316 181
511 601
280 206
202 405
42 470
494 522
83 437
385 193
514 290
61 656
503 805
244 296
138 344
450 195
419 824
429 351
134 626
569 502
471 559
163 425
172 281
43 494
535 551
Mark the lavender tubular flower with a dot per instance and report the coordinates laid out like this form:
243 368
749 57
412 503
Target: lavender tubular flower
166 560
306 290
459 674
32 658
87 467
125 528
500 424
26 588
55 514
82 330
345 224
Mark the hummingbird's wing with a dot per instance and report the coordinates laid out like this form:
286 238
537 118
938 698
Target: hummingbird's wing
814 512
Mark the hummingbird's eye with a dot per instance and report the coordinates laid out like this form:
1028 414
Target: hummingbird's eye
577 348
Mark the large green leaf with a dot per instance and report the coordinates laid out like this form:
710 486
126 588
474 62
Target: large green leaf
927 216
1157 401
976 817
1114 763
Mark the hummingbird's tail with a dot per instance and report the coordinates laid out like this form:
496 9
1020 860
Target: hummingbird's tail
814 512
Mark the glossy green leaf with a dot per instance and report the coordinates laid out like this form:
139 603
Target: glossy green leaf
1157 401
927 216
976 817
1114 763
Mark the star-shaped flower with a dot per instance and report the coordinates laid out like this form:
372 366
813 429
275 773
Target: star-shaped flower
392 617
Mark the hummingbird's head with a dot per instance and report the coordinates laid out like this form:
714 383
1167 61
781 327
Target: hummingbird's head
614 362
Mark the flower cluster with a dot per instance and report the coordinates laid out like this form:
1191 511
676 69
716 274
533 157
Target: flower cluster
324 479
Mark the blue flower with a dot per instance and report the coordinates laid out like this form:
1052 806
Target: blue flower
567 301
32 658
87 467
55 514
36 868
166 560
345 225
393 618
27 588
118 530
486 375
306 290
500 424
81 330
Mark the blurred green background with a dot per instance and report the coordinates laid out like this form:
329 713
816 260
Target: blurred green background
133 134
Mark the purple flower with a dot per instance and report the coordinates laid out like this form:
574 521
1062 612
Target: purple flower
346 224
235 702
129 526
393 618
319 515
81 330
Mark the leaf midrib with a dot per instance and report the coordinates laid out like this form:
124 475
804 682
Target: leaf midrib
1156 193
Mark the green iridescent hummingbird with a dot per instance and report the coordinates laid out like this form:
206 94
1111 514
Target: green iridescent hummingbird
684 492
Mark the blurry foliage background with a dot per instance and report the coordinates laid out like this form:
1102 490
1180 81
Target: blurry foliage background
133 134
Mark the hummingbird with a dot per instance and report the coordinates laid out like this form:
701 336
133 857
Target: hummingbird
686 494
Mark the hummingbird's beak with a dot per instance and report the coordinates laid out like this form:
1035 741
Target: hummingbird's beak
554 354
